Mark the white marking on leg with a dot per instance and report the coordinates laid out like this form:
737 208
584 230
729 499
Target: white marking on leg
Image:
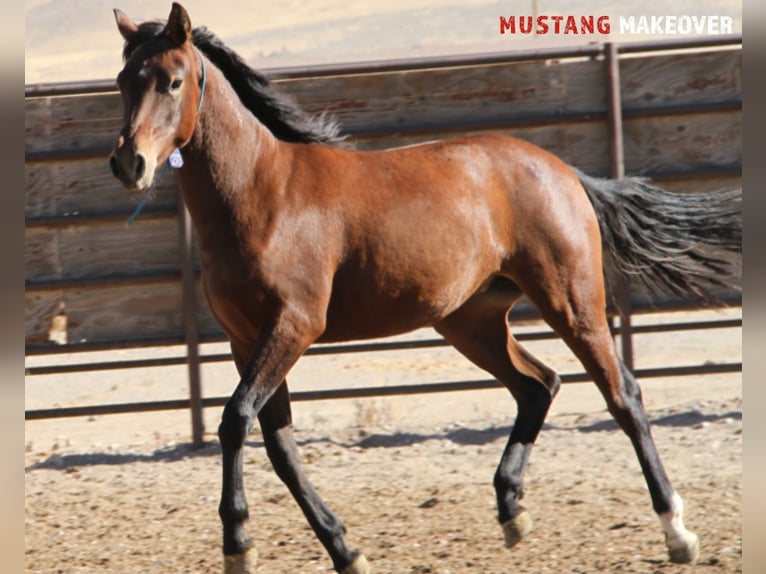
682 544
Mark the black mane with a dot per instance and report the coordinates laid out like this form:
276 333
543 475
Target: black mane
283 117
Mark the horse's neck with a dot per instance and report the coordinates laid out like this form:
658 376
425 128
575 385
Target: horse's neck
228 149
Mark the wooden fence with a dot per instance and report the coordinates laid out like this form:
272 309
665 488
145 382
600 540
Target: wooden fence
670 111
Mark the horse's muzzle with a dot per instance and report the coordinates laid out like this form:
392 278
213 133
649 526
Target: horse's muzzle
128 165
128 170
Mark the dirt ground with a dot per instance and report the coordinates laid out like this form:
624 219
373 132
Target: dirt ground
411 477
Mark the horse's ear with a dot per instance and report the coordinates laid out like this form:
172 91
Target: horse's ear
178 29
126 26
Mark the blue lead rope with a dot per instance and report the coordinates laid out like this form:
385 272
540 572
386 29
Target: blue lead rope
148 195
175 160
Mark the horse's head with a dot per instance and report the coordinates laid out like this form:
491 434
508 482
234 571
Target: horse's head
161 91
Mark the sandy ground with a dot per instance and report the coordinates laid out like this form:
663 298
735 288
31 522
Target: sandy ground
411 477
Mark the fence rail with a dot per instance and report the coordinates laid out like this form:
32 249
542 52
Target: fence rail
668 110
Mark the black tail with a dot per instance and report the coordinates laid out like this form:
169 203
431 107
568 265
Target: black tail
687 244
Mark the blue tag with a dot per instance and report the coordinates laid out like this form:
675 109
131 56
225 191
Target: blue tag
176 160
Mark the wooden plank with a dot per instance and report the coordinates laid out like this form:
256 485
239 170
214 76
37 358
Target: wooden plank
41 309
371 101
427 98
107 314
72 122
696 185
683 143
531 89
80 251
84 186
656 81
115 313
435 97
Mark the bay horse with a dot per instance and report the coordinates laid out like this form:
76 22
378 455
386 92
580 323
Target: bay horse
305 239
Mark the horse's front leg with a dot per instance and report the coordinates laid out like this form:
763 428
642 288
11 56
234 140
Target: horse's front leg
276 424
279 347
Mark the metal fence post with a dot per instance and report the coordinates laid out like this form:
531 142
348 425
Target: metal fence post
190 322
617 170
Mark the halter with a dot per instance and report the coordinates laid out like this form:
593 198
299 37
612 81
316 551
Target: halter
175 160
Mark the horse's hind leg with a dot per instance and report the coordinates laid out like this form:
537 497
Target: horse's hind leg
571 299
480 331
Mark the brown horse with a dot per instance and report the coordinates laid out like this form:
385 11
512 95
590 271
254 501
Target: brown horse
303 239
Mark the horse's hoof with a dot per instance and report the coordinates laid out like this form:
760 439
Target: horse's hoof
358 566
517 528
685 551
244 563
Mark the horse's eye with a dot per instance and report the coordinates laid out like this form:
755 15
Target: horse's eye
175 85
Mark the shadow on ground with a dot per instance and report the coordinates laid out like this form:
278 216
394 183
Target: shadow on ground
460 436
685 419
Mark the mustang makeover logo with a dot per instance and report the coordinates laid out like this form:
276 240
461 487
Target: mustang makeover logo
570 25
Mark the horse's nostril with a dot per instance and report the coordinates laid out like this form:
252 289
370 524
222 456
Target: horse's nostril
140 166
114 165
